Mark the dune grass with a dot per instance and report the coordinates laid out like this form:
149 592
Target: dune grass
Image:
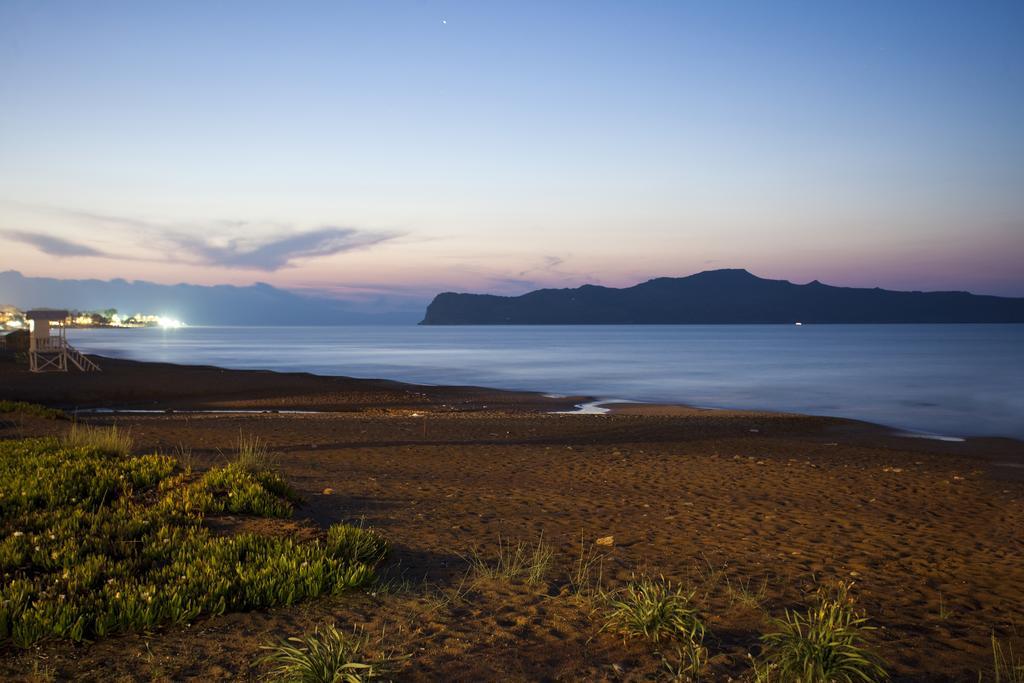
824 644
520 560
356 544
96 543
1007 667
252 453
328 655
746 592
656 610
587 572
110 440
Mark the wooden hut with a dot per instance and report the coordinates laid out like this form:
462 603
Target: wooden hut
48 349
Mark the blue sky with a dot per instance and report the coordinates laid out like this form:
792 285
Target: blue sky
393 150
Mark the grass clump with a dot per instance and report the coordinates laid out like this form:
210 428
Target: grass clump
110 440
253 453
95 544
586 574
33 409
1007 667
825 644
514 561
747 593
656 610
690 659
327 656
356 544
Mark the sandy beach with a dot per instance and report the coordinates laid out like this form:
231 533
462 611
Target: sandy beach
753 510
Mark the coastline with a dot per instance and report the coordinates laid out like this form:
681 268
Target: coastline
149 387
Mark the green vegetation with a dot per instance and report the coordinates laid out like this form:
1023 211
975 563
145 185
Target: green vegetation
230 488
111 440
656 610
33 409
253 453
97 542
823 645
326 656
356 544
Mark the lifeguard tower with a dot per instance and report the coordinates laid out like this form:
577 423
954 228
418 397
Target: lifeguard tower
48 348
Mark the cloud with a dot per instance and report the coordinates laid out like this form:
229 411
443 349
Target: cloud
274 254
55 246
206 243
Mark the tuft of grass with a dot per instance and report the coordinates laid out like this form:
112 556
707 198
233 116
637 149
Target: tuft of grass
356 544
690 659
33 409
328 655
656 610
825 644
944 612
1007 667
744 592
587 573
110 440
253 453
183 454
514 561
538 562
508 564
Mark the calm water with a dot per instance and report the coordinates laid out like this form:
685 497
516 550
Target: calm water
956 380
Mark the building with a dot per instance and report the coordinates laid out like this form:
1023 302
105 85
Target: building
48 349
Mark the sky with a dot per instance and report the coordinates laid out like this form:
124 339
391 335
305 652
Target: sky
386 151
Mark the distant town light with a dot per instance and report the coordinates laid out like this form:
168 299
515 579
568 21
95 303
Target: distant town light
169 323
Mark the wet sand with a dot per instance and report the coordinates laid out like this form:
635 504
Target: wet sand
931 532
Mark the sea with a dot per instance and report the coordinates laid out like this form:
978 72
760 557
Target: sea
933 380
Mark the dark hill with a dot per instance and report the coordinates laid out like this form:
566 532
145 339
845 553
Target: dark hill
720 296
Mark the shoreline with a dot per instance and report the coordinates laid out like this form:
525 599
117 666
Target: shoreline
139 387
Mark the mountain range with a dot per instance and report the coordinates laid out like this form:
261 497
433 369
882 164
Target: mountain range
259 304
720 296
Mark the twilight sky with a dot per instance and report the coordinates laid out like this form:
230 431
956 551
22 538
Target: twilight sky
390 150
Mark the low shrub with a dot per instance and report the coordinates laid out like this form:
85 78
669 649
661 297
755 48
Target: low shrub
94 544
33 409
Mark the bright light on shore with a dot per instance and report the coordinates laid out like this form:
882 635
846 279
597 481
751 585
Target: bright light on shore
169 323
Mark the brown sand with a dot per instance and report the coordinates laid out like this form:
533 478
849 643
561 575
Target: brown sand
932 533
